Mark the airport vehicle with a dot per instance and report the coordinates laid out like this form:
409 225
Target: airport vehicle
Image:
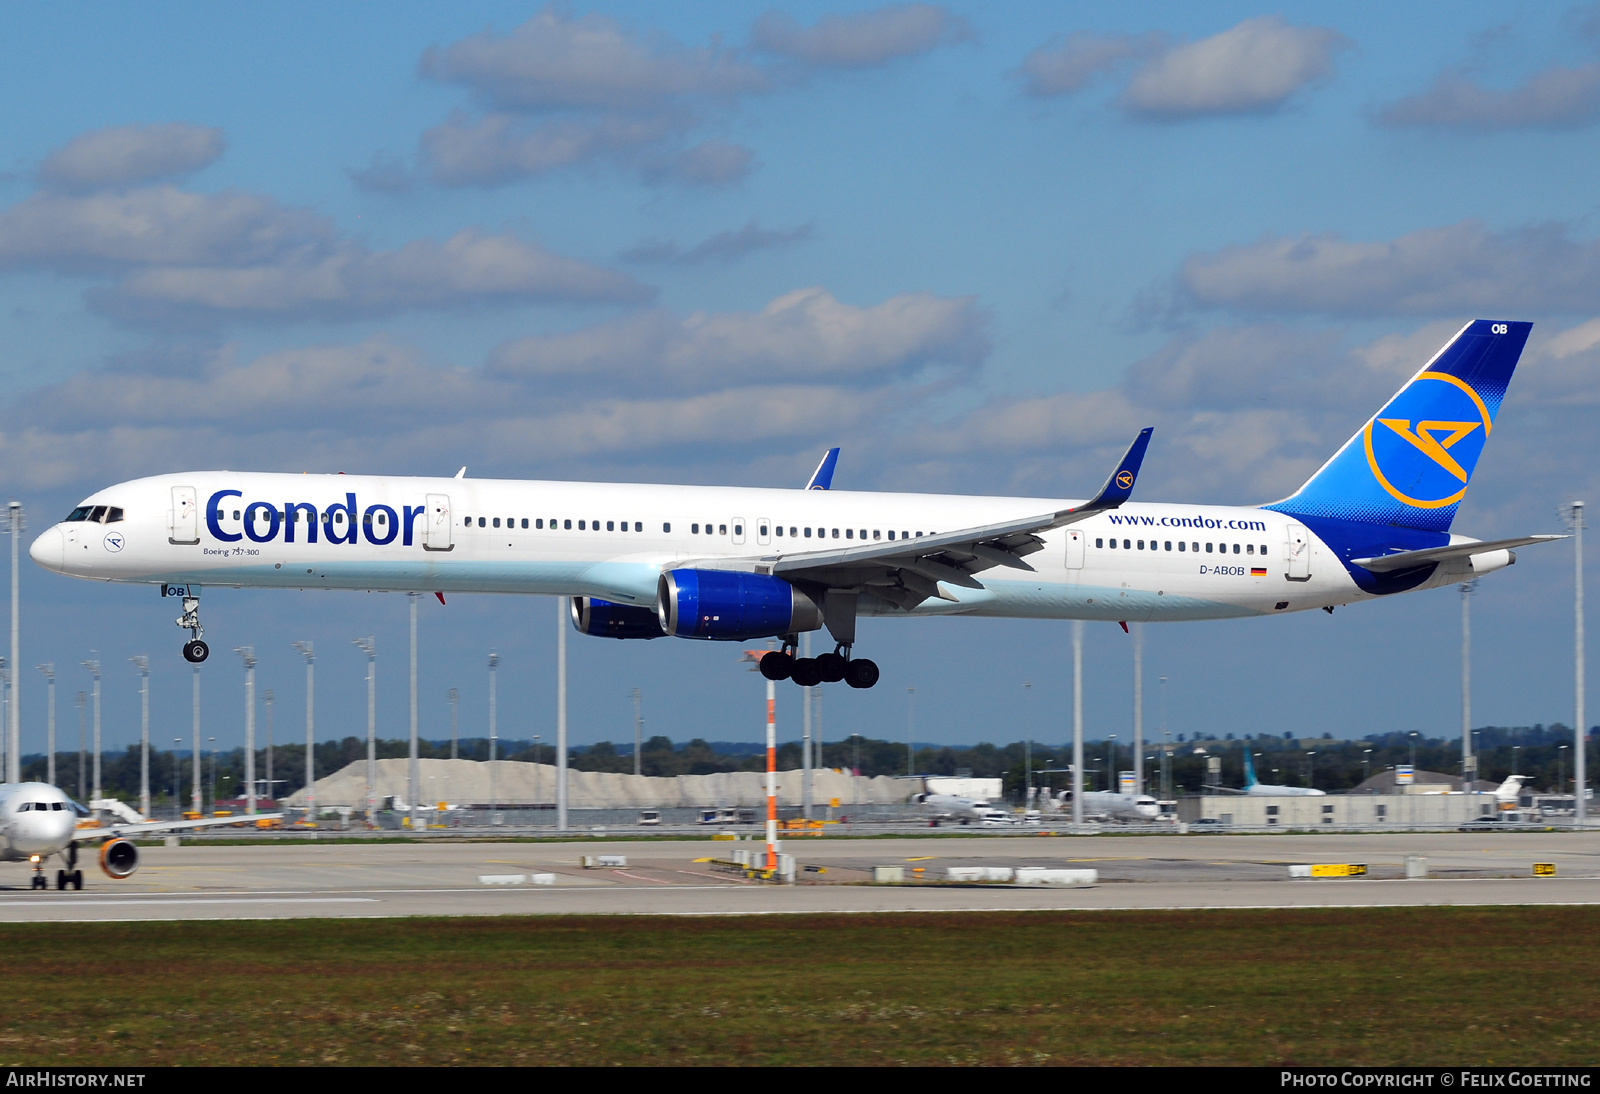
1493 823
1257 789
734 564
1207 822
38 820
650 817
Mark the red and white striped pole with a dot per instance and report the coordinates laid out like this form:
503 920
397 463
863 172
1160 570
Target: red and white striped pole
772 777
772 761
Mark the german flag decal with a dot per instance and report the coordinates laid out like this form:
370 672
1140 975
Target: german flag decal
1258 571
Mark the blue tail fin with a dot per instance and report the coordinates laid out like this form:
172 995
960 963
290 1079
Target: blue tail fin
822 477
1249 768
1411 462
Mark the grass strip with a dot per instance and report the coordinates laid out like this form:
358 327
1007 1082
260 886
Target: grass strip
1451 986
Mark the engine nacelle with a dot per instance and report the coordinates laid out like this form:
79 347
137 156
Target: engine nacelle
728 606
603 619
119 858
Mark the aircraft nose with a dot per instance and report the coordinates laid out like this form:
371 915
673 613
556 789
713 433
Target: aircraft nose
49 549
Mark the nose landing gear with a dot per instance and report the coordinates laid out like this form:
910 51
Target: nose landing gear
194 650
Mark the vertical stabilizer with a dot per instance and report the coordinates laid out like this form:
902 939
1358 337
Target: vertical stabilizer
1410 464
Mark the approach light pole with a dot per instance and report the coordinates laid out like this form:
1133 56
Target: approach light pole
195 718
177 777
308 651
494 803
212 741
49 671
1111 764
83 786
369 646
1580 773
142 663
1166 751
266 700
247 654
94 670
753 658
805 737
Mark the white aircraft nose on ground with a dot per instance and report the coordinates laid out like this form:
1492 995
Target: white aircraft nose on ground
48 549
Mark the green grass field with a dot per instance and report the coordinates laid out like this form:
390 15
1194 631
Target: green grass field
1359 986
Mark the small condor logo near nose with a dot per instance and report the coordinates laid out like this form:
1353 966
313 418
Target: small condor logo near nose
114 542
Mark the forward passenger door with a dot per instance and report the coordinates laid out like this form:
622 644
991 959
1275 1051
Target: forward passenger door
438 522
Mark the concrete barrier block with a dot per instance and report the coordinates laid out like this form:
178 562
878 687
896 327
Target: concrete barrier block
1299 871
541 879
978 873
1042 875
1416 866
603 862
501 879
891 875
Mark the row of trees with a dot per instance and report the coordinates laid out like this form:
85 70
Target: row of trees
1326 764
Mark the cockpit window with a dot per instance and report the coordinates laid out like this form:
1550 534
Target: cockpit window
24 807
113 515
80 513
98 513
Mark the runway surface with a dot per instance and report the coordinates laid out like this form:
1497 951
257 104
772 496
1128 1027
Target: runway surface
442 877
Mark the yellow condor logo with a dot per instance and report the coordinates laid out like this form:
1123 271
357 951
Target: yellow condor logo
1125 479
1433 439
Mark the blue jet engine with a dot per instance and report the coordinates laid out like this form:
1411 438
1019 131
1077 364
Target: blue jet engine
604 619
727 606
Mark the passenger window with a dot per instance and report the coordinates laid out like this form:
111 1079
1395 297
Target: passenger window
583 526
761 529
849 533
1263 548
778 528
695 528
1113 545
1181 545
738 529
1195 547
1169 545
876 534
638 526
524 522
539 523
567 525
891 533
863 533
793 531
722 529
1208 548
1249 548
1235 548
1141 545
808 533
113 515
1127 545
666 527
483 522
836 533
1100 542
611 526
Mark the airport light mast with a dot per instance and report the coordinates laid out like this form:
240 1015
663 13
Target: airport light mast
142 663
494 803
13 715
561 714
94 670
306 650
1077 724
755 657
1138 708
368 646
1580 776
413 776
1469 761
453 697
49 671
196 720
247 654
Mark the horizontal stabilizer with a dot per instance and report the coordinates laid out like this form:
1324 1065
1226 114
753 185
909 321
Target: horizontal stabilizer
1405 560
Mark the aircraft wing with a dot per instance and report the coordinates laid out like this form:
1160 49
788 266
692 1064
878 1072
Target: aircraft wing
111 831
908 571
1405 560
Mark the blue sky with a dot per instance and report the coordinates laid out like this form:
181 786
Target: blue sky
976 247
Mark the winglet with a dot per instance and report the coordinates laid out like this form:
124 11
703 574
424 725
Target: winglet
822 477
1119 487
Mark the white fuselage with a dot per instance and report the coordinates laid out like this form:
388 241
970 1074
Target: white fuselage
1120 806
613 541
35 819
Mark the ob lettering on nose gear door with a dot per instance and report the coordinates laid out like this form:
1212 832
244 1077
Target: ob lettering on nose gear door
194 650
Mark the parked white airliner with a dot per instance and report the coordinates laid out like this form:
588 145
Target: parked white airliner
642 561
38 820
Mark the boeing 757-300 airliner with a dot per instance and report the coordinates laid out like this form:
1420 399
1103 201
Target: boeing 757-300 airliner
736 564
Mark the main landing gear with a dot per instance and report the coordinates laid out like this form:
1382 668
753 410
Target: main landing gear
194 650
827 668
71 877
